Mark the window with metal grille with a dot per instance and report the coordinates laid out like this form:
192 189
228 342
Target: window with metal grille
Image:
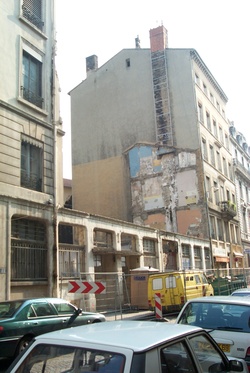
148 245
31 166
69 263
32 80
185 250
28 250
32 11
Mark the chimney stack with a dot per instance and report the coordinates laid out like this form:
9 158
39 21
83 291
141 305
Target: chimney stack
158 39
137 42
91 64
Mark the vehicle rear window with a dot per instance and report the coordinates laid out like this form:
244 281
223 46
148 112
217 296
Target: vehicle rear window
7 309
217 316
57 359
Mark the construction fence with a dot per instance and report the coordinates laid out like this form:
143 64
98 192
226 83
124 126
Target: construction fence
120 293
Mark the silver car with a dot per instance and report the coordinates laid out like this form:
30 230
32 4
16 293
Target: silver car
227 318
126 347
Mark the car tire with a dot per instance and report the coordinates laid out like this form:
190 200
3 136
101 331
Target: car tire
24 342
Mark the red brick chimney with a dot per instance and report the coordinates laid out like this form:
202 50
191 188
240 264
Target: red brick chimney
158 39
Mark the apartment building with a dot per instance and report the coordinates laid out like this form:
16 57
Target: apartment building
241 164
151 146
31 149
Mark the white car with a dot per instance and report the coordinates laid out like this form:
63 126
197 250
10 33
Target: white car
226 317
243 292
126 347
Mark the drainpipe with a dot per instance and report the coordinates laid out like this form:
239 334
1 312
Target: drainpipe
55 275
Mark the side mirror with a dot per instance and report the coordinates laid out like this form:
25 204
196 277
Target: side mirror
78 311
236 365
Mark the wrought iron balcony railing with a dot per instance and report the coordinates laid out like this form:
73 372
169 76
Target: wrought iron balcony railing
32 97
228 209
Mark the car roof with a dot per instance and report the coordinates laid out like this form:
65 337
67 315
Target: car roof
223 299
135 335
241 290
42 299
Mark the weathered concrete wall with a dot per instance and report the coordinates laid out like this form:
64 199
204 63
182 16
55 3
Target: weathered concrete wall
182 96
113 108
102 188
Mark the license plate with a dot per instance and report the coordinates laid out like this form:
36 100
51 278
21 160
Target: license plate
224 347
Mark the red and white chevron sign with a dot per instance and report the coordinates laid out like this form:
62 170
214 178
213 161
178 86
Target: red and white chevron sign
86 287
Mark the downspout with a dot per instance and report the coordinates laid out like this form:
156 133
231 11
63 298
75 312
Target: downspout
55 277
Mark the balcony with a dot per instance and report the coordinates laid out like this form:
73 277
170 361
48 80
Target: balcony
228 210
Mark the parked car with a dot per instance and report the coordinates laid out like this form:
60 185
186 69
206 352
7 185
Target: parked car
244 292
126 347
176 287
227 318
21 320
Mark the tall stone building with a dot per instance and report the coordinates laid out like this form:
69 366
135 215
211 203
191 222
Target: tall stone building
31 149
241 163
151 145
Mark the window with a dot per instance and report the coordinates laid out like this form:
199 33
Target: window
28 250
215 128
103 239
197 260
230 169
97 260
211 98
200 113
58 358
220 229
69 262
32 80
212 160
226 230
148 245
218 160
221 135
205 88
204 149
32 11
176 357
31 166
226 141
212 227
197 79
224 166
208 121
128 62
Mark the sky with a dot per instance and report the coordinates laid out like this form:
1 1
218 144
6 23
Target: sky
217 29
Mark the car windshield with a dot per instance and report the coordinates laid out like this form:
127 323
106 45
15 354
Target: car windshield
217 316
7 309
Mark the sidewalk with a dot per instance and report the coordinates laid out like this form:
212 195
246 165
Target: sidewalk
134 315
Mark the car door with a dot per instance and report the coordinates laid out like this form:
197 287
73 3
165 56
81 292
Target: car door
42 318
69 315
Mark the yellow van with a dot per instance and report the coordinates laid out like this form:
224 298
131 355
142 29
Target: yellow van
176 287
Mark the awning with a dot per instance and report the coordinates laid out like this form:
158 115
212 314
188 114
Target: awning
223 259
238 254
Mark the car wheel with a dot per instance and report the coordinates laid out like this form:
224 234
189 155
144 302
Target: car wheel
24 342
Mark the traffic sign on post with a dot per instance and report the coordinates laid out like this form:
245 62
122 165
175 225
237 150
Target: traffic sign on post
86 287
